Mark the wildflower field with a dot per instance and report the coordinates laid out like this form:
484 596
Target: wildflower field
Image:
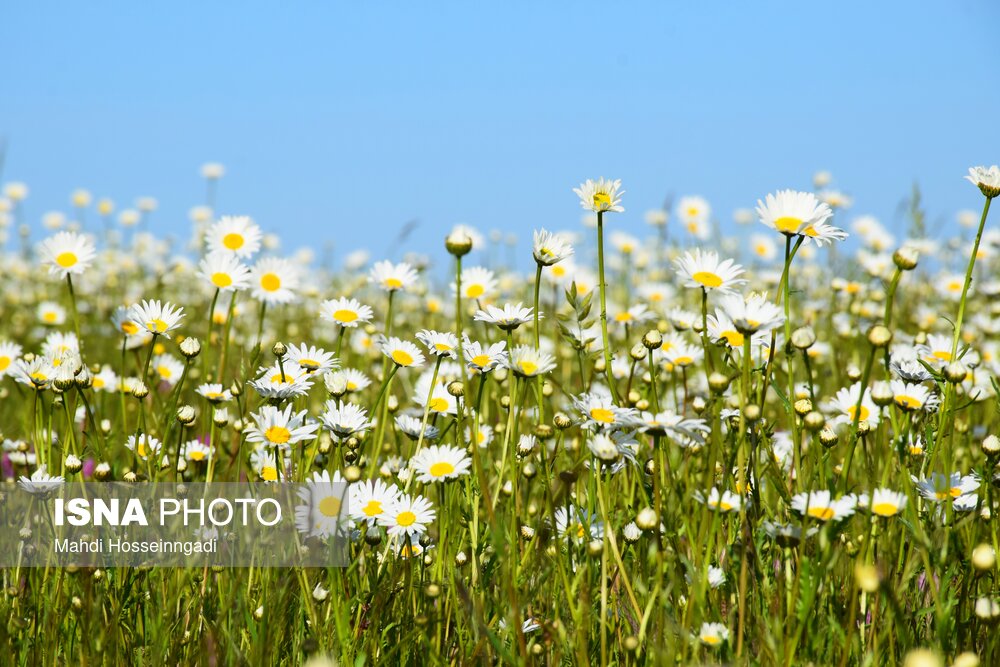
777 447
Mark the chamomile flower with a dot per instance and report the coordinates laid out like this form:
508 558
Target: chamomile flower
940 487
752 313
235 235
704 270
483 438
196 451
713 634
508 318
143 445
281 382
694 214
67 253
912 396
324 510
483 359
9 354
632 316
224 271
407 516
214 393
549 248
577 524
167 368
370 499
845 407
439 344
525 361
274 280
401 352
345 420
821 505
155 317
477 283
412 427
354 379
682 354
936 351
345 312
311 359
720 501
601 195
886 502
439 463
391 277
38 373
600 412
51 314
799 214
280 428
41 483
763 247
267 466
986 179
687 432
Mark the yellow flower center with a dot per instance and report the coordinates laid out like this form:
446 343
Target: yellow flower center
4 363
885 509
481 360
707 278
49 316
66 259
441 347
279 435
788 224
329 506
196 455
810 231
270 282
129 327
942 355
760 249
438 404
269 473
907 402
373 508
474 291
693 212
683 361
602 415
724 506
39 376
221 280
402 357
711 640
393 283
734 338
406 518
623 317
345 316
823 513
233 241
602 199
163 371
864 413
98 382
441 468
528 367
156 326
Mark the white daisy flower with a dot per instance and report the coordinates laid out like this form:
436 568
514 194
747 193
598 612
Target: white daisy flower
694 213
214 393
142 445
157 318
600 195
67 253
577 524
845 407
224 271
51 314
911 396
526 361
439 463
986 179
482 359
401 352
751 313
280 428
477 283
274 280
370 499
439 344
41 483
412 427
940 487
549 248
324 510
311 359
704 270
713 634
407 516
9 354
886 502
508 318
799 213
822 506
720 501
196 451
391 277
237 235
345 312
345 420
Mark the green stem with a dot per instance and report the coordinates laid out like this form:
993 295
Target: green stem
604 306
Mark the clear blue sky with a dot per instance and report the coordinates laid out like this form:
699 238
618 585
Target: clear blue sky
344 121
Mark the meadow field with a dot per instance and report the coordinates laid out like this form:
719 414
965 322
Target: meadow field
776 446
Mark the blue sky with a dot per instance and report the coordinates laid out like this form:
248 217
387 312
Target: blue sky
343 122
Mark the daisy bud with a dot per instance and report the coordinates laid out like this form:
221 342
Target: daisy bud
643 405
863 428
879 336
882 394
987 609
868 577
853 373
906 258
652 340
803 407
140 390
76 603
507 489
752 412
235 389
637 352
373 537
646 519
102 471
456 388
650 467
631 532
432 590
105 426
529 470
547 389
25 533
594 548
130 477
633 397
98 575
543 431
73 464
181 465
991 445
718 382
84 379
220 417
803 338
190 347
967 659
827 438
527 532
814 421
336 384
984 558
186 415
319 593
279 349
458 243
631 644
352 474
258 613
956 372
393 404
562 421
461 559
